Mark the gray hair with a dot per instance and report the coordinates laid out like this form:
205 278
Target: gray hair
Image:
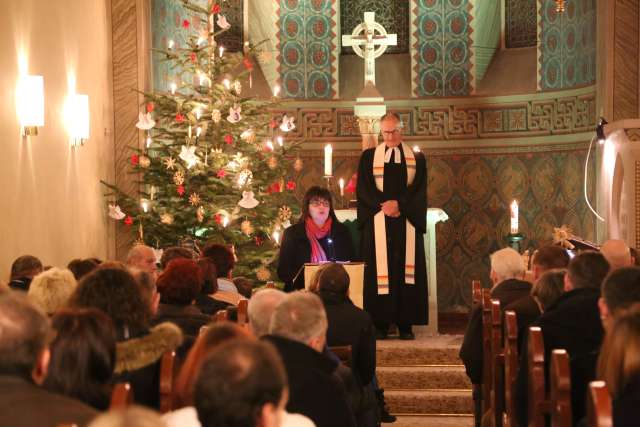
131 416
261 307
136 253
300 317
507 263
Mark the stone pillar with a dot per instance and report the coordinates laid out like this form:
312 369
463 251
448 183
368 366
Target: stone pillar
369 109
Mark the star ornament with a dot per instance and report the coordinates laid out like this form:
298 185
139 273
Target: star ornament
145 122
188 154
170 163
115 212
194 199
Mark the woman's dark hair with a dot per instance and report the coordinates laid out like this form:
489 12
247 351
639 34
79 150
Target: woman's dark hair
316 192
83 356
81 267
180 282
222 257
174 252
115 291
333 279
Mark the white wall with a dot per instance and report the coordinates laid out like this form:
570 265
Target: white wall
50 195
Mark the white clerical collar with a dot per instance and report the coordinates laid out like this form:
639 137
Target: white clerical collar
392 151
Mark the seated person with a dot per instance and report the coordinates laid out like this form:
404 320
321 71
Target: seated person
205 299
131 416
24 361
142 257
23 270
317 237
620 290
174 252
51 289
224 260
81 267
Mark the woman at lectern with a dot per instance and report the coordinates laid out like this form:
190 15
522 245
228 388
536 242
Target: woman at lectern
317 237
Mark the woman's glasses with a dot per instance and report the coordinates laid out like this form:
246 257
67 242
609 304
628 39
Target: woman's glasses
317 203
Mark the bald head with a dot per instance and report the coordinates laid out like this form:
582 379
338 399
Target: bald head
143 258
617 253
261 307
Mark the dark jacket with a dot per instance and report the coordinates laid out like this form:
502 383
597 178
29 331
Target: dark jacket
208 305
626 404
506 292
188 317
24 404
314 389
295 251
571 323
527 312
349 325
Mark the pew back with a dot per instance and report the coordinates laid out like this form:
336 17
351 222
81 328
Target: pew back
599 405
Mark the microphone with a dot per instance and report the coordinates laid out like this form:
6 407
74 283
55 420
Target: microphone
332 254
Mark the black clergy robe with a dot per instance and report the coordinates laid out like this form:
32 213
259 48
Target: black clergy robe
405 304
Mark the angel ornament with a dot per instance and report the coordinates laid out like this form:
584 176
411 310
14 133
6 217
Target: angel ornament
287 124
248 200
234 114
145 122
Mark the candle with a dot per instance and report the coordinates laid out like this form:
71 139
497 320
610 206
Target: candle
173 88
198 113
145 206
226 83
269 145
170 44
198 132
148 141
276 90
280 141
221 50
416 149
514 217
328 152
341 184
189 131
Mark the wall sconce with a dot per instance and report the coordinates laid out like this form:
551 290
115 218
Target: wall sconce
600 130
77 118
30 104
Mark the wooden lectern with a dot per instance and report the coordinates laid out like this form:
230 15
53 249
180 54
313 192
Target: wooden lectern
356 276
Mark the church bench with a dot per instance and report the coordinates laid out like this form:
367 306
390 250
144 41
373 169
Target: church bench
343 352
486 350
497 362
167 369
599 405
510 366
243 317
560 389
121 396
220 316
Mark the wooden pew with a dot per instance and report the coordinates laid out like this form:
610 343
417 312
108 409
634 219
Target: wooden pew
486 350
599 413
510 367
536 394
343 352
476 292
221 316
167 369
497 368
121 396
560 389
243 317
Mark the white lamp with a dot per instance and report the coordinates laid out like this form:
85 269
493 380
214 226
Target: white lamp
78 123
30 104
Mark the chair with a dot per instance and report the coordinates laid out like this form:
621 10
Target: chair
121 396
599 405
221 316
167 366
486 350
476 292
560 389
510 366
243 317
497 361
343 352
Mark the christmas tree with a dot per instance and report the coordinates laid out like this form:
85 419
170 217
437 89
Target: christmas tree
215 165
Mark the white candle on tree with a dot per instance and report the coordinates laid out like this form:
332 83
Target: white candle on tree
514 217
328 153
341 184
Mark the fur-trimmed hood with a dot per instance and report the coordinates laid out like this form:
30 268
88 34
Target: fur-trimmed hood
139 352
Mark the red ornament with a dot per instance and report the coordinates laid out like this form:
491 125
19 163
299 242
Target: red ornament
179 118
180 189
221 173
215 8
150 107
185 23
218 218
291 185
193 56
274 188
351 185
273 123
228 139
128 220
258 240
247 63
135 159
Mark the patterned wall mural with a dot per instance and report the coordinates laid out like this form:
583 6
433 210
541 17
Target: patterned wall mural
307 47
393 15
442 47
521 23
567 54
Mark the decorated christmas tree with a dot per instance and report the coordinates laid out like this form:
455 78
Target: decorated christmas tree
215 165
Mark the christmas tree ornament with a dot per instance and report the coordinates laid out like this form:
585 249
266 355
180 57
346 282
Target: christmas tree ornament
144 162
185 23
291 185
272 162
166 218
179 118
248 135
178 178
216 116
150 107
228 139
246 227
248 200
287 124
145 122
180 190
115 212
263 274
298 164
200 214
244 177
194 199
258 240
215 9
221 173
237 87
222 22
234 114
128 220
188 154
169 163
284 213
135 159
158 254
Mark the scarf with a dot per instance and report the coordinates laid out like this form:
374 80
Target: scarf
314 232
380 229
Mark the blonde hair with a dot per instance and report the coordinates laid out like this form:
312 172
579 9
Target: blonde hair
619 359
51 289
507 264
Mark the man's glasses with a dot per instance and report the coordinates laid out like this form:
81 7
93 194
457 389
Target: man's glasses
391 132
317 203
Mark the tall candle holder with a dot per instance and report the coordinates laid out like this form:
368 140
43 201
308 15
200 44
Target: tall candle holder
515 241
328 181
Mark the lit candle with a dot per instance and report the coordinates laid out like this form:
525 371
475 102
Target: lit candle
341 184
148 141
197 112
514 217
170 44
225 221
189 131
202 79
269 145
227 84
198 132
328 152
276 236
280 141
221 50
276 90
173 88
416 149
145 206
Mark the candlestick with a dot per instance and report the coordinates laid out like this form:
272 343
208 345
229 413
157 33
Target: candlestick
341 185
328 153
514 217
276 90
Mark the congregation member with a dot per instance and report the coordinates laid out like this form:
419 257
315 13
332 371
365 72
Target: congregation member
223 259
317 237
620 290
131 416
25 334
142 257
260 309
23 270
82 267
173 252
392 211
617 253
52 289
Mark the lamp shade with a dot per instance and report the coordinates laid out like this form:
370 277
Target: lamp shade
30 101
78 116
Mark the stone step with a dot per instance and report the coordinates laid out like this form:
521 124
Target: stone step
429 401
420 377
402 355
432 421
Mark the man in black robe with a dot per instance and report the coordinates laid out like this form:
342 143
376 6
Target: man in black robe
398 192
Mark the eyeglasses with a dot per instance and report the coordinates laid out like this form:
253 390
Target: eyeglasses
391 132
318 203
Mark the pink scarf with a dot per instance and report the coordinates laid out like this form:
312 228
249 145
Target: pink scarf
314 233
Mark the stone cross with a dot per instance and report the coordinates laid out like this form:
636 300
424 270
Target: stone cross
364 36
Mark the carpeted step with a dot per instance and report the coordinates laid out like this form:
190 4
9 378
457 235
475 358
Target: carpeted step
436 351
420 377
429 401
432 421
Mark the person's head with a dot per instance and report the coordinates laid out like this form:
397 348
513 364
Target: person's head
548 257
180 283
25 333
223 258
261 307
116 292
130 416
548 288
174 252
213 337
586 270
83 355
620 290
26 266
317 204
142 257
617 254
244 285
334 279
51 289
506 264
209 275
391 129
619 359
81 267
634 257
301 317
148 289
241 384
314 283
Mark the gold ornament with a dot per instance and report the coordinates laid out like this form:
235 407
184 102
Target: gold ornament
237 87
200 214
298 164
272 162
144 162
263 274
178 178
248 136
194 199
246 227
284 213
166 218
216 116
170 163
